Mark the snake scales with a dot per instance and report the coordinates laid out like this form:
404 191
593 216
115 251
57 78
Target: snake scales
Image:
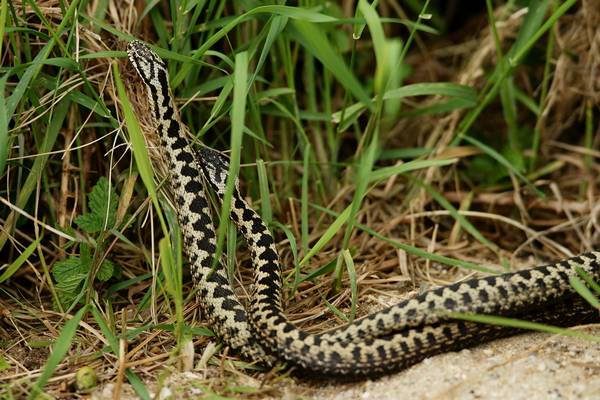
389 340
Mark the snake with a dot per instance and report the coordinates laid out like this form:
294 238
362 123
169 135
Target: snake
380 343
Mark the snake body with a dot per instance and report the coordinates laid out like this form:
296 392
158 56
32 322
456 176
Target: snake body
386 341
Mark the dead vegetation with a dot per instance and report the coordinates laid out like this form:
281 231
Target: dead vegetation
525 228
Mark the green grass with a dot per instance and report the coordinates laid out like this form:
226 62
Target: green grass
346 126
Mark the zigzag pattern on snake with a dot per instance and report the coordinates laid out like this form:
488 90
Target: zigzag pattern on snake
386 341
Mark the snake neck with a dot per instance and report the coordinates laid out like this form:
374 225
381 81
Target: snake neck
166 116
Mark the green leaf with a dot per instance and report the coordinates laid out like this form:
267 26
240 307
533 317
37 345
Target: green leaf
503 161
32 181
588 279
353 285
69 275
4 365
103 202
69 288
106 271
90 223
379 43
461 96
66 269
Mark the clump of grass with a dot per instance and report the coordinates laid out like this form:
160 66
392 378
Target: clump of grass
382 159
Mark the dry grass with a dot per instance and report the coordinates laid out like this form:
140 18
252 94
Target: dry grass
527 229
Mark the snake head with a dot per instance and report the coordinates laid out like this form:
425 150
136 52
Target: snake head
147 63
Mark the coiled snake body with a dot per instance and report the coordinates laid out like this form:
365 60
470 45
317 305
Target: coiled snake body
389 340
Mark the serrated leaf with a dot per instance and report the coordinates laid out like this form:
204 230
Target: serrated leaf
90 223
106 271
103 202
64 270
68 288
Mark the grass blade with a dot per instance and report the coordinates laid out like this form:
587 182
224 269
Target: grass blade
386 172
588 279
327 235
263 186
316 42
403 246
4 138
504 162
138 144
520 324
59 350
462 221
138 147
138 385
238 111
353 284
454 90
108 334
56 122
15 265
584 292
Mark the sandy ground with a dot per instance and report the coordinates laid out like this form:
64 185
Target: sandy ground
529 366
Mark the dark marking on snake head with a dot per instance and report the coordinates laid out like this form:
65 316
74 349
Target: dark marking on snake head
247 214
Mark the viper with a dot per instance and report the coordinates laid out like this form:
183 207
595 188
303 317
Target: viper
386 341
